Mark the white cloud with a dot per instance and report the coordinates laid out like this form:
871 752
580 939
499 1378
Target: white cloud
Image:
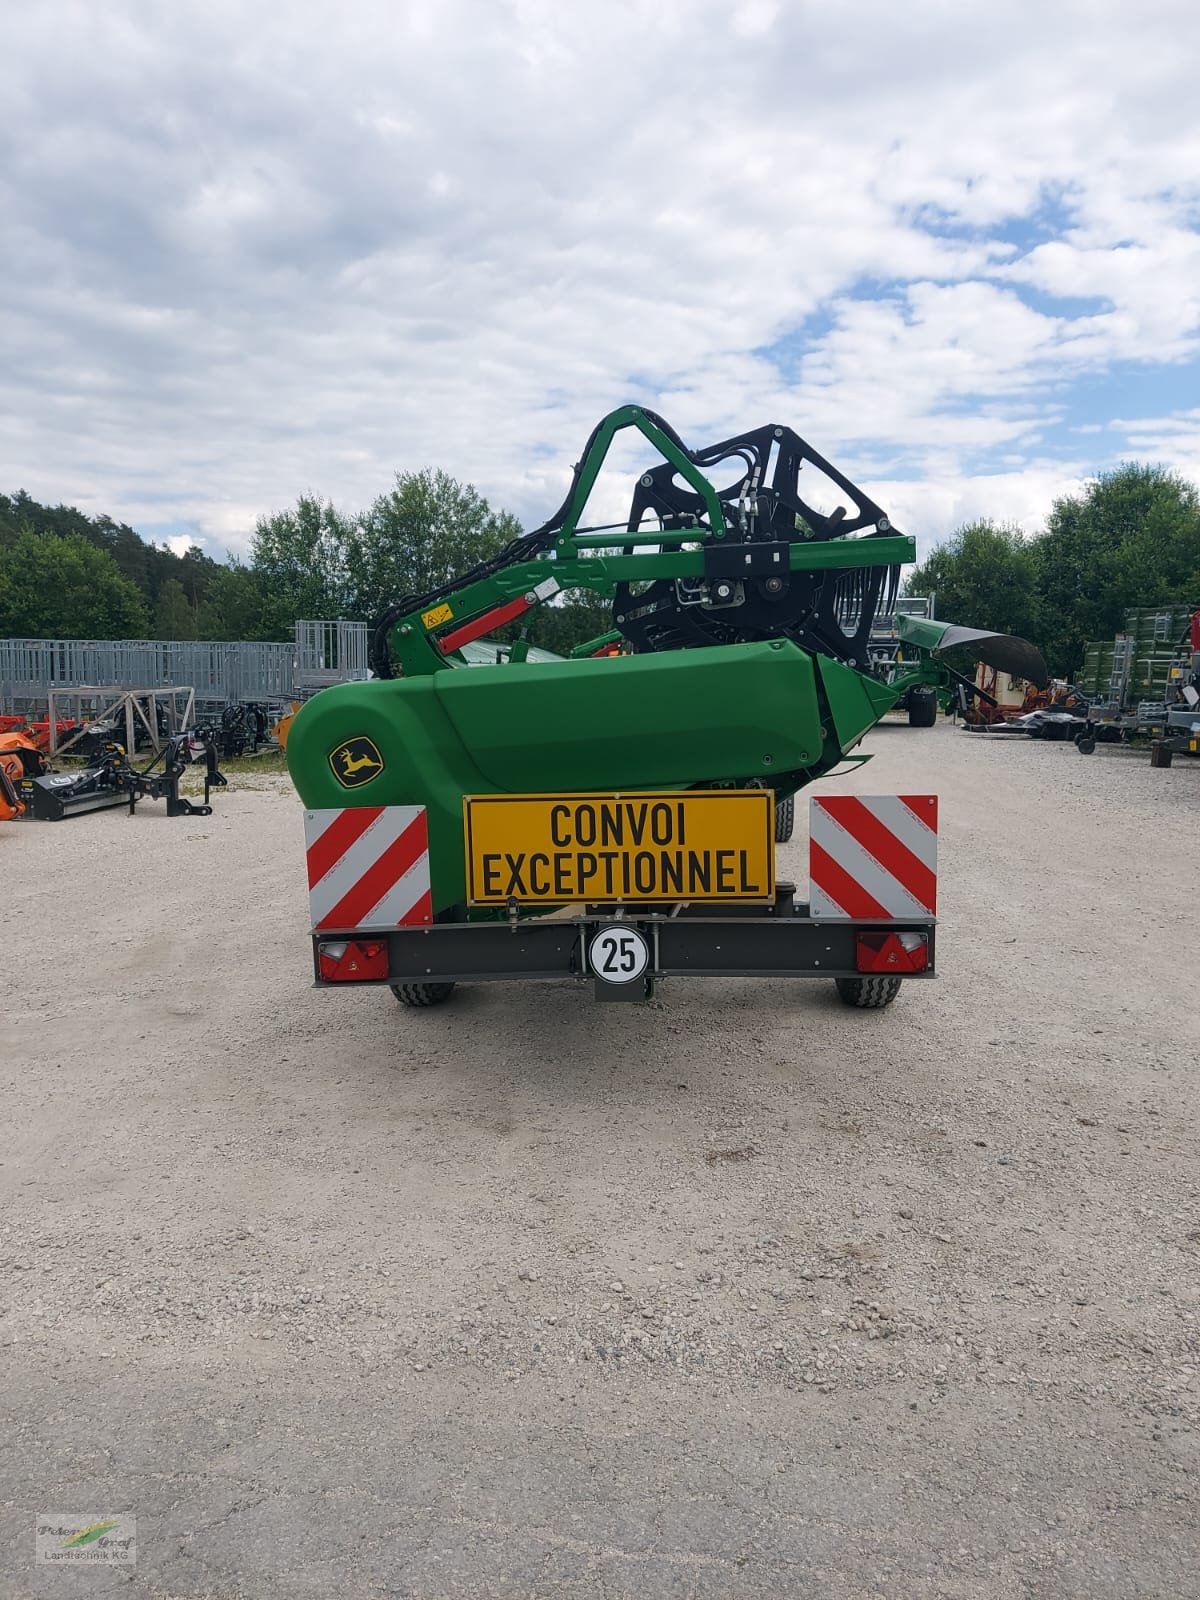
1173 441
249 254
753 18
931 510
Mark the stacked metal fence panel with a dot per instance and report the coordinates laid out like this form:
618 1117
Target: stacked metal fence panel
324 652
330 652
231 671
218 671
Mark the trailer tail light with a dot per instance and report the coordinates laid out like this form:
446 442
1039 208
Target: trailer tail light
352 960
891 952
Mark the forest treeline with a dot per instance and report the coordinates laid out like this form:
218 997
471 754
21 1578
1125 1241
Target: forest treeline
66 575
1129 538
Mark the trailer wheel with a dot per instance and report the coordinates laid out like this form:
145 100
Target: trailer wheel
785 819
922 708
1086 744
422 994
868 994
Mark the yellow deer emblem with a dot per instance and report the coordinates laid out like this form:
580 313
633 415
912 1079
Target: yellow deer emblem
352 764
355 761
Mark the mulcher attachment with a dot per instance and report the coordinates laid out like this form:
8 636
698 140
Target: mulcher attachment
113 781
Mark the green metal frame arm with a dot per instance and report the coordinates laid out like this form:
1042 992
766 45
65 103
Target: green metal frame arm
616 422
413 637
923 671
601 560
590 646
412 643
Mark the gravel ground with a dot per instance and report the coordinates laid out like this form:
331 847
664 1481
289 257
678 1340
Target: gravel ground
736 1293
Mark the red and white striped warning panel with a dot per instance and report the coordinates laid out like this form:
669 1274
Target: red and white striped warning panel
873 855
368 867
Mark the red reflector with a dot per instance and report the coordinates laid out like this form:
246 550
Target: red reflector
891 952
349 961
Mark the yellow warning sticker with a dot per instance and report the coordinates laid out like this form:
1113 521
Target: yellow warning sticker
701 844
435 618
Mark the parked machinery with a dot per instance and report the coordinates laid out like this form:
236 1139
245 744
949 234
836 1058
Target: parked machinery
21 761
888 660
96 738
1132 681
243 727
11 804
37 729
1058 713
1146 684
454 814
1181 728
999 699
111 780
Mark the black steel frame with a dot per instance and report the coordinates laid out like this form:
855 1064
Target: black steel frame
777 941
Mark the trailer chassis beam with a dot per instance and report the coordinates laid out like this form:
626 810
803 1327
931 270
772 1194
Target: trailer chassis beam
741 942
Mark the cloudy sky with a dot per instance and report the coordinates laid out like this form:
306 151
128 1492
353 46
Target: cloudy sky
253 251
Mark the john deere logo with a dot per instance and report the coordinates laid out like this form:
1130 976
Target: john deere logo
355 762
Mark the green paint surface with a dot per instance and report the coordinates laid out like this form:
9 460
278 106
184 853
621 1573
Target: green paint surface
766 712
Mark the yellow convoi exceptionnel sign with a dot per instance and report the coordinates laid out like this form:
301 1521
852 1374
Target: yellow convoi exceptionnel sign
699 844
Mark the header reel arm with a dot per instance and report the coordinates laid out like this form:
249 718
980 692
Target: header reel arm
751 561
753 589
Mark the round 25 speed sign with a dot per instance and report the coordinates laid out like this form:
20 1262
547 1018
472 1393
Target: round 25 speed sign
618 953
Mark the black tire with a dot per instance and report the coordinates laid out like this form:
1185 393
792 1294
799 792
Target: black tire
1160 754
1086 744
922 708
785 819
422 994
868 994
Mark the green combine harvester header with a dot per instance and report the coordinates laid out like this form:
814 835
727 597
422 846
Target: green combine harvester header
737 664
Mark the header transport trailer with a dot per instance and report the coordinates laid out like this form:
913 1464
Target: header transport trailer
611 816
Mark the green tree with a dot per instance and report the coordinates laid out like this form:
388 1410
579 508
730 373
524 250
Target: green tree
1132 538
62 587
984 576
235 606
427 529
173 616
195 572
148 566
300 557
579 616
